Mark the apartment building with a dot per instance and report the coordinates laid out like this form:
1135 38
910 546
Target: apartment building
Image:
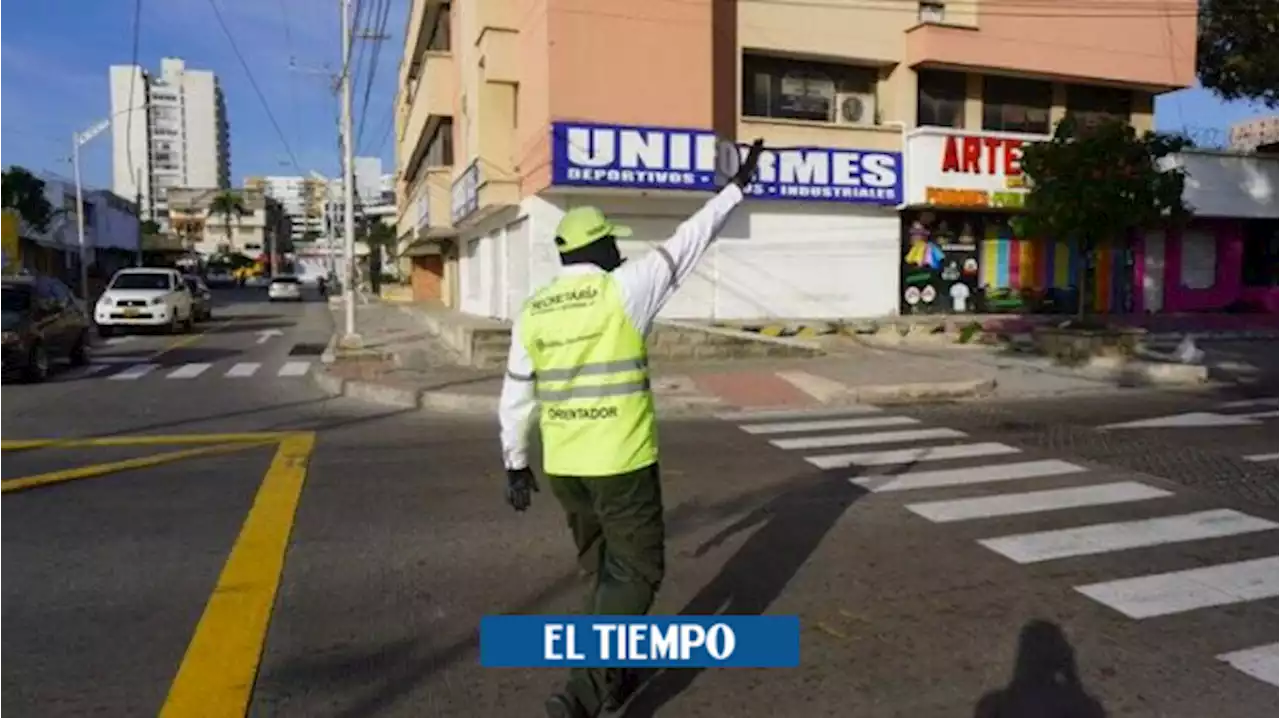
890 124
169 129
261 226
302 199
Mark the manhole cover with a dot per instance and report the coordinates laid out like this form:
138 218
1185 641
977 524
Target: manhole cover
306 350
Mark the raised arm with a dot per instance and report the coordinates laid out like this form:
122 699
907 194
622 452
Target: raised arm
649 282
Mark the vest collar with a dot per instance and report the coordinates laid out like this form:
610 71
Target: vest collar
578 270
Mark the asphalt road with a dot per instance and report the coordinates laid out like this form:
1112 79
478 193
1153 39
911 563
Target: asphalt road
354 549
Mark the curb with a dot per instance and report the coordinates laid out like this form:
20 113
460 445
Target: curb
900 393
451 402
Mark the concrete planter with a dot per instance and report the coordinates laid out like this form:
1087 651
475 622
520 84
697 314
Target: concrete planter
1076 345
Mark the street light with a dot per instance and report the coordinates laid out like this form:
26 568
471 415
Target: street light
77 140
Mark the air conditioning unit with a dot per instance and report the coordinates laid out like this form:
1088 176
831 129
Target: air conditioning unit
933 12
856 108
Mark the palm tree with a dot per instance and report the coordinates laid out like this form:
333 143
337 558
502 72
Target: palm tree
231 207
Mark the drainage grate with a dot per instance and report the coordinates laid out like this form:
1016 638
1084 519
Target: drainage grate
306 350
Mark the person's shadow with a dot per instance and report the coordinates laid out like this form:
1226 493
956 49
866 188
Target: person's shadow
1045 681
791 526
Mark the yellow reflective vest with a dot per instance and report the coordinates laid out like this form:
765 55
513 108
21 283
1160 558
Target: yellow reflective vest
591 376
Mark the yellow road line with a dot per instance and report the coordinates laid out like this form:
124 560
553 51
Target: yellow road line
218 670
144 440
186 341
141 462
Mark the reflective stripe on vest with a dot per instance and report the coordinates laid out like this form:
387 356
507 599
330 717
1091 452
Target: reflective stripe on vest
591 376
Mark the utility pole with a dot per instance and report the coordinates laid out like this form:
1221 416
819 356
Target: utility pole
350 337
137 203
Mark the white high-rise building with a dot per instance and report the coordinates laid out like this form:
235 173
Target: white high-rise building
168 130
303 200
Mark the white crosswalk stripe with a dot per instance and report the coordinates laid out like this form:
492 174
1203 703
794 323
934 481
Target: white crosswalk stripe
243 370
137 371
989 468
294 368
189 371
910 456
876 437
1261 662
974 475
1103 538
1164 593
134 368
1035 501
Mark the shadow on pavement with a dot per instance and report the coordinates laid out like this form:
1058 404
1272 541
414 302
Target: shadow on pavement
1045 681
791 526
808 508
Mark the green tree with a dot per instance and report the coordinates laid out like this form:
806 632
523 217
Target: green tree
379 237
23 192
1236 54
230 207
1098 183
150 227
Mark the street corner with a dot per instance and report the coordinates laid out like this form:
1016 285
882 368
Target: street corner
755 389
43 462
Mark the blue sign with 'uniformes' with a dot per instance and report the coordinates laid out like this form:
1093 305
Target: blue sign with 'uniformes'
596 155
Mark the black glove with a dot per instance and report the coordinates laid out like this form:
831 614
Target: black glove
747 170
520 482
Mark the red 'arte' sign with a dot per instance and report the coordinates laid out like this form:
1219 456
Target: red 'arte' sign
982 155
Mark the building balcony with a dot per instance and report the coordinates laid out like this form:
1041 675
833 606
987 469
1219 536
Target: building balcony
1148 51
436 88
803 133
480 192
423 213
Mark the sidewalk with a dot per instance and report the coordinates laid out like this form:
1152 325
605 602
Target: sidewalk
402 364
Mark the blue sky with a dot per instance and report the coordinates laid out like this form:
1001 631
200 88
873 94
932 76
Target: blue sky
55 65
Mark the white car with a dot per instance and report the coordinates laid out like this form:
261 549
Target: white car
284 287
144 297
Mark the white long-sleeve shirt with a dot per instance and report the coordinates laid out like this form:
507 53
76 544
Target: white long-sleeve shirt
646 284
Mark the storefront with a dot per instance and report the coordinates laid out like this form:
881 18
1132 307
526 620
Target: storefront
961 251
1226 257
816 239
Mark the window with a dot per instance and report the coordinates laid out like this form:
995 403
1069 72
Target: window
940 99
801 90
932 11
1261 253
142 280
1091 105
440 146
16 301
439 40
1012 105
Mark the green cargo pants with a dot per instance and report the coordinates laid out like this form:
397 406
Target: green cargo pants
618 529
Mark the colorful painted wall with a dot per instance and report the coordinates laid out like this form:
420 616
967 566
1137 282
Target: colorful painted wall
1171 257
1016 266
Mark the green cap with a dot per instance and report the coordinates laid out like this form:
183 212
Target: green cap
583 225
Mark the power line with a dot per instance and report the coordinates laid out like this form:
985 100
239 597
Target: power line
355 22
293 88
376 37
254 83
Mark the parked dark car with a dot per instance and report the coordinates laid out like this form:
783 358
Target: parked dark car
43 321
201 298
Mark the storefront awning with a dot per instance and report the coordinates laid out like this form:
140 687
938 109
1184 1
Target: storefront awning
1221 184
